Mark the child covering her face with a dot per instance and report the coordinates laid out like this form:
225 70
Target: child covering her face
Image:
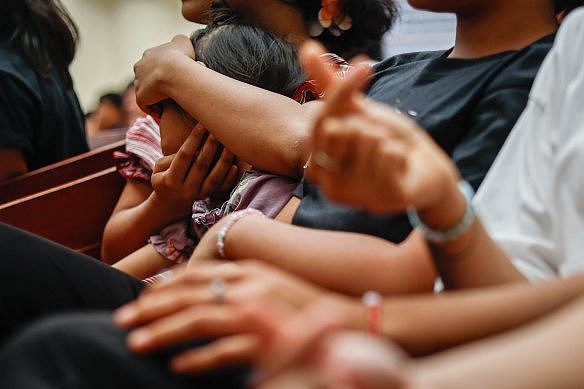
242 52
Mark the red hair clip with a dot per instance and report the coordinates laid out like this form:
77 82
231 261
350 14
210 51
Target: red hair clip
331 18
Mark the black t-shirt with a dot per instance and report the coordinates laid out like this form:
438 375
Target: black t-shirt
38 115
468 106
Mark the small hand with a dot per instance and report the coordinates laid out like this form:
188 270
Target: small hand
180 179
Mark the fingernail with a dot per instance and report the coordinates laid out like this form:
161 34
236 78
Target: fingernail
125 315
140 338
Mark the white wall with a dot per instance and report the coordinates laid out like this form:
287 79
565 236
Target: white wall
419 31
114 33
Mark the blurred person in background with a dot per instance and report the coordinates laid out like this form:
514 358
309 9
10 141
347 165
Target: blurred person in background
41 121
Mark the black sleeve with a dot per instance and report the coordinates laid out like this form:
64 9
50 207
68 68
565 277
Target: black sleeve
18 113
493 119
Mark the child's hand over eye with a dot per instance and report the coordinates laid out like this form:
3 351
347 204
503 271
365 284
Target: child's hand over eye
189 175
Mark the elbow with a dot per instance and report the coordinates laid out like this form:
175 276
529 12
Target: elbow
295 155
107 252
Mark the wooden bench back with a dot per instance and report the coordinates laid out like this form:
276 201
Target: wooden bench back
59 173
73 214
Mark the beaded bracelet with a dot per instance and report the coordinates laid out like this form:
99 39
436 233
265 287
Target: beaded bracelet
436 236
233 218
372 301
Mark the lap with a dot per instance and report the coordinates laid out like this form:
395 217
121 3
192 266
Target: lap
88 351
40 277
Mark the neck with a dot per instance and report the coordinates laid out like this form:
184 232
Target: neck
510 26
277 17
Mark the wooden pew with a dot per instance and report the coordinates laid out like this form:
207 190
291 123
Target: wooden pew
59 173
73 214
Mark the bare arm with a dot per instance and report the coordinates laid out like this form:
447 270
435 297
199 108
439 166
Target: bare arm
12 163
142 263
345 262
430 323
266 129
544 355
135 218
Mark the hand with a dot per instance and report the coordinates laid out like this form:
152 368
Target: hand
310 350
367 155
180 179
183 309
155 66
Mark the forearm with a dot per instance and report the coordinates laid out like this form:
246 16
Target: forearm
426 324
266 129
142 263
544 355
344 262
129 229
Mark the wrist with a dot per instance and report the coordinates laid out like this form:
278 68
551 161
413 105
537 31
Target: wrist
351 312
165 209
447 213
227 226
169 74
449 222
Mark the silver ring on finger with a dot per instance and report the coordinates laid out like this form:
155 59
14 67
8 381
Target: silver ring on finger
218 287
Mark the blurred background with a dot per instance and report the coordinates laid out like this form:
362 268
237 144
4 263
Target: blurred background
114 33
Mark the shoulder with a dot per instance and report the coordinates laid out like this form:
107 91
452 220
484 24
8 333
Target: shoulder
408 58
13 65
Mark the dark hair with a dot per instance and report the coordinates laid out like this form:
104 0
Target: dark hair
371 19
247 53
114 98
43 32
567 5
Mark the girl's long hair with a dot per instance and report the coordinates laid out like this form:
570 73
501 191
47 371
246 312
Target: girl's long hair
43 32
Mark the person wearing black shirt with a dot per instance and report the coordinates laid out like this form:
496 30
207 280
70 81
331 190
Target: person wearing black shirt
41 121
468 106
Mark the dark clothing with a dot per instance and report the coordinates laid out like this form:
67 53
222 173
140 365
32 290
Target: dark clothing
84 350
467 106
38 115
89 352
43 278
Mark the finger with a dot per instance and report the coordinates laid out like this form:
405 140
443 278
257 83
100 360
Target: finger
230 180
156 305
218 174
395 124
195 322
185 44
225 351
183 159
315 66
334 141
204 273
343 95
200 167
163 163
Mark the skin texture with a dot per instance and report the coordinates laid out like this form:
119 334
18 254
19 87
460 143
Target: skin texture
195 10
183 309
177 181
